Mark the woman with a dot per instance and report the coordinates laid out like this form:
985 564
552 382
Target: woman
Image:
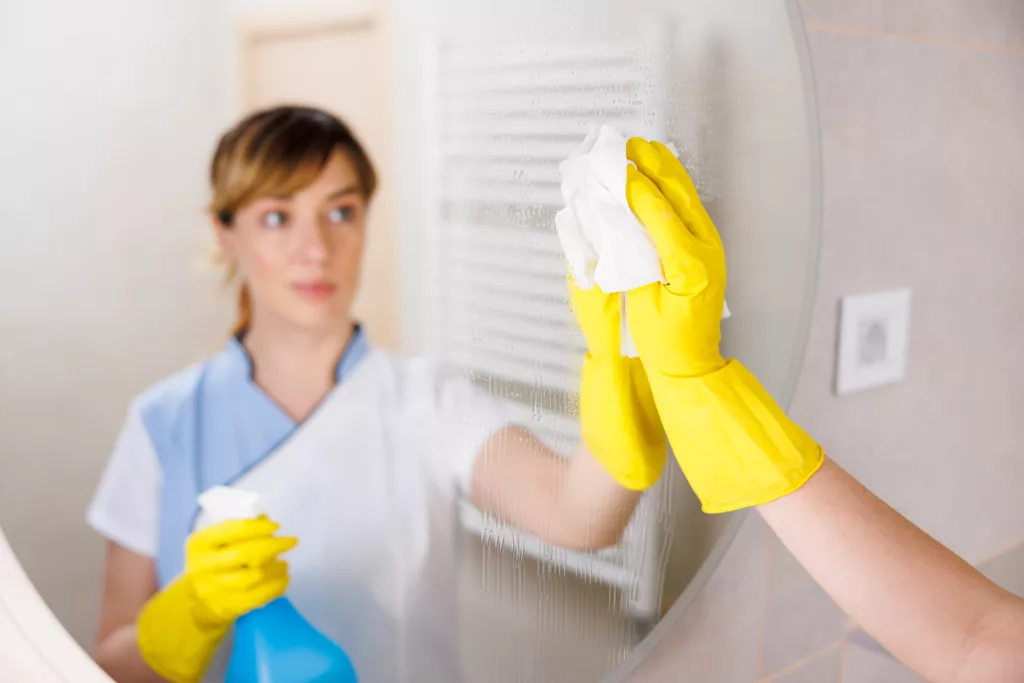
357 454
934 612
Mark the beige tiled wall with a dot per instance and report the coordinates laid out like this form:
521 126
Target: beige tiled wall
921 105
922 116
922 149
823 667
861 665
998 23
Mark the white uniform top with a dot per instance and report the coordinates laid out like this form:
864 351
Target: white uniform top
368 484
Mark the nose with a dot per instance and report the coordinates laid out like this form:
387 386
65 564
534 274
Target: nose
313 241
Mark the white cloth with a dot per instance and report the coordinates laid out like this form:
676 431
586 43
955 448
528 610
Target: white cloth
368 485
603 240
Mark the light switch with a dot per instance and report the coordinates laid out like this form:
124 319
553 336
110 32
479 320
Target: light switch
873 335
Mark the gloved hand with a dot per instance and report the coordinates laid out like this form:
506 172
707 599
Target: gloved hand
618 417
231 569
735 445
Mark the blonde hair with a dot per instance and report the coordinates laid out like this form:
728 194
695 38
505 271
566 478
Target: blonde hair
277 152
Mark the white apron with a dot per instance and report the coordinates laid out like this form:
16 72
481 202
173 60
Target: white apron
374 569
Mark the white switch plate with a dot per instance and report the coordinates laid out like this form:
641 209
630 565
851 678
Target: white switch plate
873 334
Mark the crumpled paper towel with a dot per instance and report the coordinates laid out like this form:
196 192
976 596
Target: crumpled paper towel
604 242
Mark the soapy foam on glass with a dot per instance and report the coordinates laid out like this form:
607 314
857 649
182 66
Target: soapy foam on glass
604 242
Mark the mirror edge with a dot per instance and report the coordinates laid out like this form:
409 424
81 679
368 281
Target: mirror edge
681 607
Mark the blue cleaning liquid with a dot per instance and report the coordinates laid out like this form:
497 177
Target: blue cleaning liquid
275 644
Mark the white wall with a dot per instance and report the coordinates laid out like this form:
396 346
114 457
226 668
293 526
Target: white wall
110 111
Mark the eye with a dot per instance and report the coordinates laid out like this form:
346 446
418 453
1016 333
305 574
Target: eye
341 214
274 219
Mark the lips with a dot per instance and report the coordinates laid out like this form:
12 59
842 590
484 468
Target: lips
314 290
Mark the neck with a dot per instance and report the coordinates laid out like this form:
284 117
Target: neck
281 351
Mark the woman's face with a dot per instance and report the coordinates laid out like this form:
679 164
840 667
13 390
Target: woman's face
300 255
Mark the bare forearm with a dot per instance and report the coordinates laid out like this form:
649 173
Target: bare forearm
594 509
571 503
118 655
932 610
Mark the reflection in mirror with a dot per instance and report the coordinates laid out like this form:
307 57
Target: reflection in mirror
392 366
502 93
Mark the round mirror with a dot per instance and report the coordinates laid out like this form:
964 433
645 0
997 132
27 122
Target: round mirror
424 475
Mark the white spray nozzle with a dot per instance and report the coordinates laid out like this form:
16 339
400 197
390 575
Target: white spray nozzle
224 503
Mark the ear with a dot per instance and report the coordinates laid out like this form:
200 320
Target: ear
222 233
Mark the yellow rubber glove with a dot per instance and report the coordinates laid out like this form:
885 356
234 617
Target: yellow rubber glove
618 416
735 445
231 569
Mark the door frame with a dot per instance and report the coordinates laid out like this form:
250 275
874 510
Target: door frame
252 28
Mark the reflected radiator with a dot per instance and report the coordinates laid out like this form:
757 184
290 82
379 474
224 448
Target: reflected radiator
497 121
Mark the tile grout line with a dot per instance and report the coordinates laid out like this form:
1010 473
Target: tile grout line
806 659
1006 548
994 48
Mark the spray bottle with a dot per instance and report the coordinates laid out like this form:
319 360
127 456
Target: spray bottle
274 643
